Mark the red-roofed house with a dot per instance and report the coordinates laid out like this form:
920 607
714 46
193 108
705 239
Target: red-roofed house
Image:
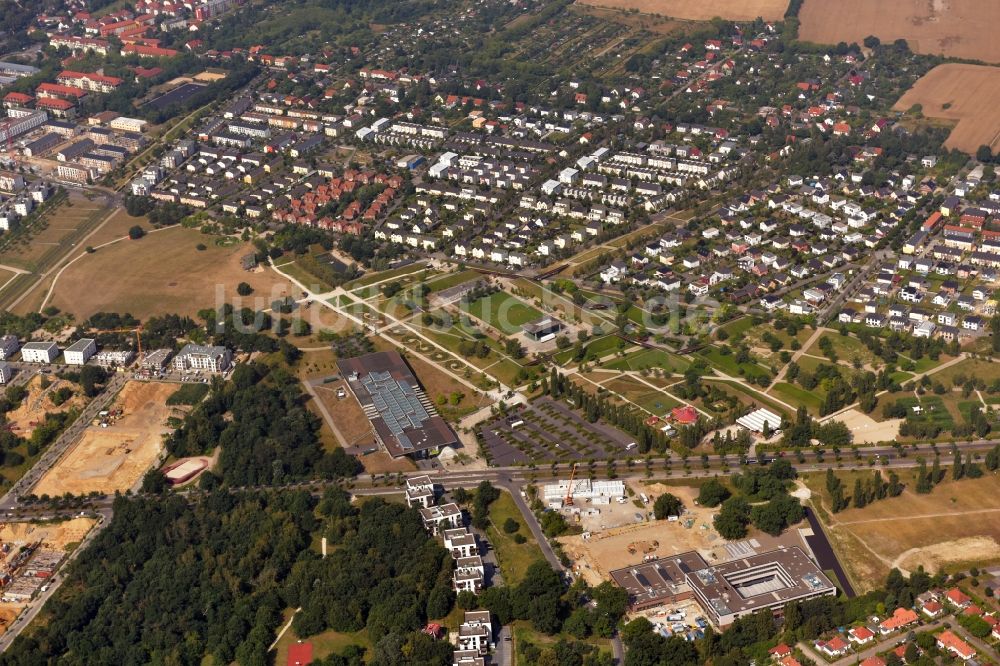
300 654
932 608
861 635
873 661
958 598
779 651
17 99
88 81
790 661
952 643
685 415
900 618
835 647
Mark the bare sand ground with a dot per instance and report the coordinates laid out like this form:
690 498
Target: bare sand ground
867 430
115 458
39 401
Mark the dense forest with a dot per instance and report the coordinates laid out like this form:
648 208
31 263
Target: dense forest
267 435
173 580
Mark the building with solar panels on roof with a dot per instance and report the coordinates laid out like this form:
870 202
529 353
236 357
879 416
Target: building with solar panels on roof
403 418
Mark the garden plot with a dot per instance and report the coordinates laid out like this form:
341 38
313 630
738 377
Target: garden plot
549 431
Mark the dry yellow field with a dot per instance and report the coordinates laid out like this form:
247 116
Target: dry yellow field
160 273
734 10
956 28
115 458
955 526
972 96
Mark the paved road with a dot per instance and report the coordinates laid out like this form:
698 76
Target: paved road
824 553
35 605
68 437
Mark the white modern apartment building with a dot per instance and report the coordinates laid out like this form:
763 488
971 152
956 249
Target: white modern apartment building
80 351
39 352
201 357
8 347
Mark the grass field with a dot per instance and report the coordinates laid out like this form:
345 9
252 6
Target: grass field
503 312
160 273
988 371
728 364
797 395
847 348
54 232
954 527
371 278
326 643
514 558
452 280
956 28
650 358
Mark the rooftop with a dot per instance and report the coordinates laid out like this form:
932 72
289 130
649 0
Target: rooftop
392 399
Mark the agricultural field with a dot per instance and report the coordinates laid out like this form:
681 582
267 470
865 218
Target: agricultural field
733 10
547 431
968 95
952 528
955 28
114 458
163 272
47 238
503 312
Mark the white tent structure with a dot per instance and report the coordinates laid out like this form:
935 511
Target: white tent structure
755 420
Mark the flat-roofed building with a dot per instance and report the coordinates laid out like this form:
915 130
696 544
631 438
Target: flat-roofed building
155 360
662 581
770 580
80 351
420 491
469 574
39 352
460 542
542 330
439 518
5 372
475 632
114 358
403 418
203 357
9 345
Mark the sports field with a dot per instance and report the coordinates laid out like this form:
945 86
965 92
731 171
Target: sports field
966 94
163 272
503 312
956 28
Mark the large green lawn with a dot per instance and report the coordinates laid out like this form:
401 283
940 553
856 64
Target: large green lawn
727 363
503 312
796 395
650 358
514 558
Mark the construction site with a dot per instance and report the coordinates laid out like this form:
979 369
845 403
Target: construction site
117 448
29 556
39 401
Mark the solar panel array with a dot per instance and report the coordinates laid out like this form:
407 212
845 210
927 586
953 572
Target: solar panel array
397 403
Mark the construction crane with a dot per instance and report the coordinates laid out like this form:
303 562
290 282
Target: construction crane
568 500
138 335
